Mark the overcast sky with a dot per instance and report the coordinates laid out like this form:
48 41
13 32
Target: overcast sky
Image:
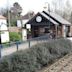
35 5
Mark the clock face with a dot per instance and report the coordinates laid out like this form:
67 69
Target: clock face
38 18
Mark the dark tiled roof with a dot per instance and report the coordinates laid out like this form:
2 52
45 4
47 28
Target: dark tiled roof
57 18
48 18
25 16
28 15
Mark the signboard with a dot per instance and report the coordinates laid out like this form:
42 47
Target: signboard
28 26
4 36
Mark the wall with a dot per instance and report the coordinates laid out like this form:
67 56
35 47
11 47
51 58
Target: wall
23 22
4 33
3 21
14 29
24 34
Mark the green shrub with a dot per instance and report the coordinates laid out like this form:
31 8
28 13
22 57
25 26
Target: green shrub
42 55
35 58
14 36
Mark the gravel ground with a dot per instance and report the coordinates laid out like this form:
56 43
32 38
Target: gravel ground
62 65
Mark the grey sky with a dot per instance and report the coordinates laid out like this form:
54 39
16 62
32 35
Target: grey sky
35 5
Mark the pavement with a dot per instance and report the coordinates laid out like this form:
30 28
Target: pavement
23 46
62 65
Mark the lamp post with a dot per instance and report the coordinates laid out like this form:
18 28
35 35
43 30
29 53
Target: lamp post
48 9
49 14
8 13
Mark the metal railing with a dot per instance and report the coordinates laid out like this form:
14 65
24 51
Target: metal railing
9 48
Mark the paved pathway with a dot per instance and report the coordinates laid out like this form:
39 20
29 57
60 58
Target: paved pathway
23 46
63 65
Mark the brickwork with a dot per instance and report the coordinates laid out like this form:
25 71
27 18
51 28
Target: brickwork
14 29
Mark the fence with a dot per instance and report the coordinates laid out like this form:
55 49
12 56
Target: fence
9 48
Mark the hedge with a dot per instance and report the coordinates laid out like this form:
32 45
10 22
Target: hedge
14 36
37 57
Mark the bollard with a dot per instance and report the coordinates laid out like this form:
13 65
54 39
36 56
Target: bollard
0 49
29 43
0 52
9 44
17 45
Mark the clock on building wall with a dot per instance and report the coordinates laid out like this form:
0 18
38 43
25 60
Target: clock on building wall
38 18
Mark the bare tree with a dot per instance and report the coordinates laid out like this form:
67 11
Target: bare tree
15 13
64 10
67 10
16 9
57 4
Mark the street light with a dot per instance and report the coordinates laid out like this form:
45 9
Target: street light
48 9
8 13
